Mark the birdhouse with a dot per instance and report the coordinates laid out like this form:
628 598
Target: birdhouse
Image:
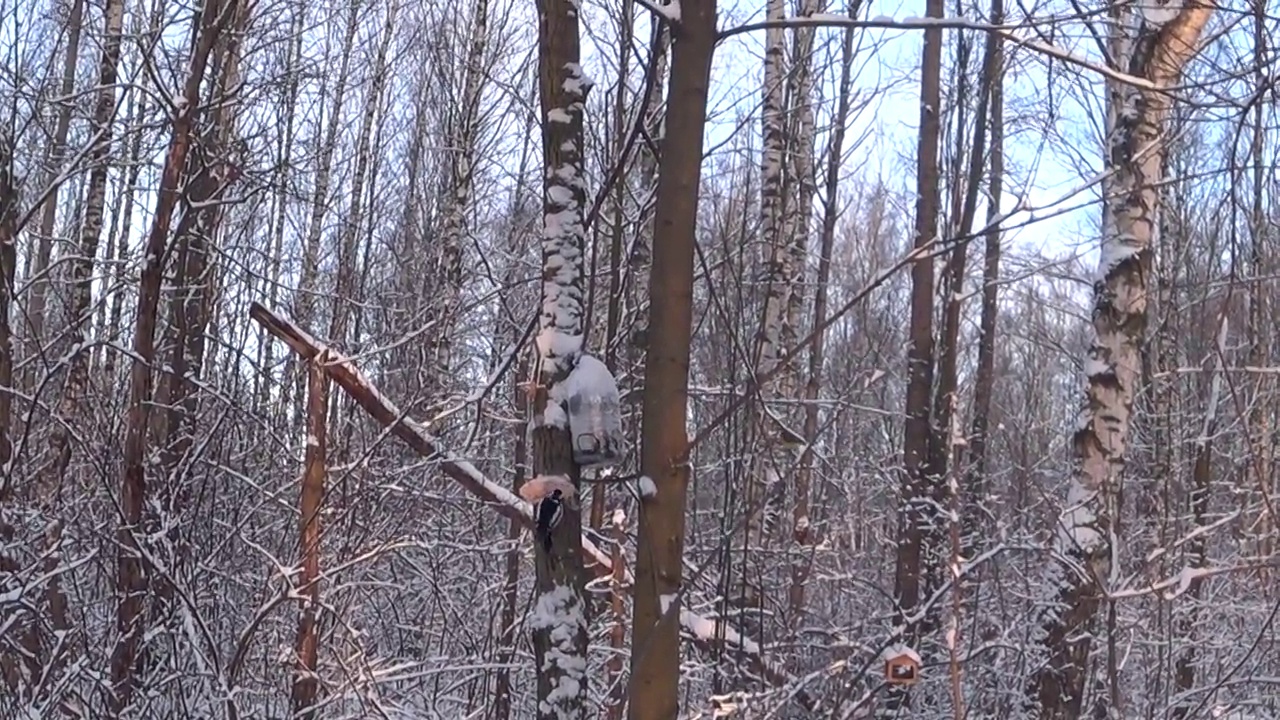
595 417
901 666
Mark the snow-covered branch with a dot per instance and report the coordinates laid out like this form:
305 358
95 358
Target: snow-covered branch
706 632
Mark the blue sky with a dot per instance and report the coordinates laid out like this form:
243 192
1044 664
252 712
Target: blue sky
1043 162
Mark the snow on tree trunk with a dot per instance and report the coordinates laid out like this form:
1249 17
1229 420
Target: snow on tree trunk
655 659
558 617
1156 48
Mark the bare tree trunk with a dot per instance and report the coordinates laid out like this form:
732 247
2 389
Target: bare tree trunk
511 581
558 620
131 578
617 225
27 646
309 283
617 702
948 349
280 198
984 383
345 291
1259 326
90 232
115 310
801 523
780 279
1136 151
455 229
57 156
306 683
1197 543
655 659
921 523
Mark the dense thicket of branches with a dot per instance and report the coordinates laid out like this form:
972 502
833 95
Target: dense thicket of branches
374 171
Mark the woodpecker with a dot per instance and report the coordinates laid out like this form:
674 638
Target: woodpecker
548 514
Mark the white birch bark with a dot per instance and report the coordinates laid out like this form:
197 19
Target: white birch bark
1156 48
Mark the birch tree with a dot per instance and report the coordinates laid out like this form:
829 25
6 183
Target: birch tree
1153 44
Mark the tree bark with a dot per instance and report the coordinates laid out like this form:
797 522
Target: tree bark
921 523
131 578
1135 151
655 659
87 252
984 382
306 684
57 156
559 617
802 527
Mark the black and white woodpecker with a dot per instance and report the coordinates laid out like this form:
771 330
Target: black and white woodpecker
546 516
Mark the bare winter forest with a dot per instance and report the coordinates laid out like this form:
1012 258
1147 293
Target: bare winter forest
576 359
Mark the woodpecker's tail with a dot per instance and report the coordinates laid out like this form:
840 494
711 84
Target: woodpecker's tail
545 538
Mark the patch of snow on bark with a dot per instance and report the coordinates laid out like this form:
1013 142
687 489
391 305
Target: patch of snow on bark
647 487
559 612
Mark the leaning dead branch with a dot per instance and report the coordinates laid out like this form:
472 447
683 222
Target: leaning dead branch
706 632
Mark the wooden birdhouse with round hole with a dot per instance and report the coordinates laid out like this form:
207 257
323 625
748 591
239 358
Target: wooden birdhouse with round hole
901 665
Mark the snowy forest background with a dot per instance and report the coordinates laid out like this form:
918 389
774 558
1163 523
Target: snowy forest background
372 170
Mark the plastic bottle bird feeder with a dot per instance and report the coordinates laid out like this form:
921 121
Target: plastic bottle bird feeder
595 418
901 666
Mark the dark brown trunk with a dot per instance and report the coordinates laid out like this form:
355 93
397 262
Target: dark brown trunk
920 525
655 659
131 579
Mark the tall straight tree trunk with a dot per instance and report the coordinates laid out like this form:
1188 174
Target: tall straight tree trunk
309 282
1259 305
655 658
90 233
963 212
558 620
16 644
1136 150
57 156
511 579
781 271
984 381
455 229
801 523
1197 543
280 200
920 514
617 224
131 577
211 171
345 291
